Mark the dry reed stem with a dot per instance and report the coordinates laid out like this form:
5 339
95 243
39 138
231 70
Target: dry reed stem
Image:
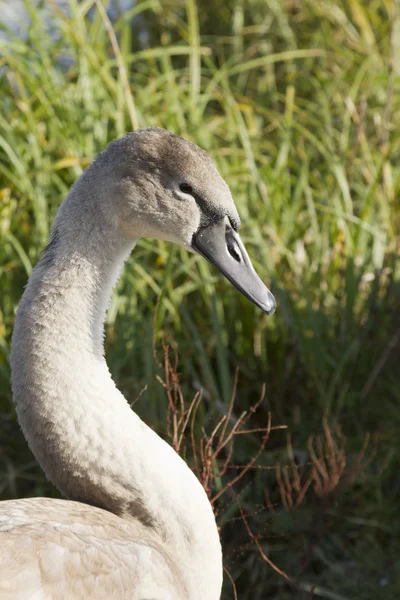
121 65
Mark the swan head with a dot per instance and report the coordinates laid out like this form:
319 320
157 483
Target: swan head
163 186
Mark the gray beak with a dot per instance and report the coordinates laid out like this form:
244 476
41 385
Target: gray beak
222 246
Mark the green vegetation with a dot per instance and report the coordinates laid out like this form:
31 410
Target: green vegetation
297 101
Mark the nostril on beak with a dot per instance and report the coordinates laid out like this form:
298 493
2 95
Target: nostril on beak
234 250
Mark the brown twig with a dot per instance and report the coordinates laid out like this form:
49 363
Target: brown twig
232 582
249 464
258 545
208 450
142 391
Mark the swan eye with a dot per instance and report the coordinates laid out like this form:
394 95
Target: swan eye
186 188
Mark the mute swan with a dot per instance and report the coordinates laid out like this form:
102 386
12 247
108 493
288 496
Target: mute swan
137 523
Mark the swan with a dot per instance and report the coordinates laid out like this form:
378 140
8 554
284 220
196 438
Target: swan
137 523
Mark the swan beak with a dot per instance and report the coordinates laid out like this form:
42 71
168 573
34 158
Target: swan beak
222 246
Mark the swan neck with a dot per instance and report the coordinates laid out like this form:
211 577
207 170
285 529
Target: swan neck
79 426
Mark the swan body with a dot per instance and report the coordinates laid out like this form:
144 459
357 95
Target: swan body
137 523
84 553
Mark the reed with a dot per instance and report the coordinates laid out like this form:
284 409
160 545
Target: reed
298 103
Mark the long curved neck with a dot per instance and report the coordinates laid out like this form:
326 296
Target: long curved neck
80 427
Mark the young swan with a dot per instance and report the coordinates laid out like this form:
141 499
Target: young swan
138 524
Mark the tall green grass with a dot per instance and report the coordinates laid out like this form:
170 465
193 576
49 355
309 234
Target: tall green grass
298 103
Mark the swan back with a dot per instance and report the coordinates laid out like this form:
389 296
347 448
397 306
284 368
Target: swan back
59 549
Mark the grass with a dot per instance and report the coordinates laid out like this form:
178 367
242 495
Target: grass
297 102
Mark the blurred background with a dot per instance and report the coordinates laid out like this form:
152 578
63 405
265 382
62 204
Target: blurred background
298 103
